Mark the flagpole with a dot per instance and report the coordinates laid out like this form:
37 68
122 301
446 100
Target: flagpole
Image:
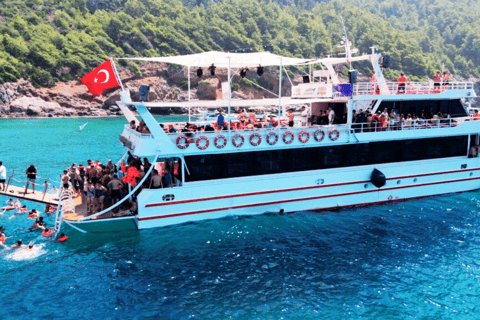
116 73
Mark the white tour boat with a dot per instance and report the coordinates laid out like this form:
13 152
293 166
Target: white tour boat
286 169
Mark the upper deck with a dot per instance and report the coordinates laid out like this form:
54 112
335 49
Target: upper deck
246 140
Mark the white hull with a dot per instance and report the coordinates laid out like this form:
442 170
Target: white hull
312 190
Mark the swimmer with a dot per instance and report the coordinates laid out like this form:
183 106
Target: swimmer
23 209
17 245
30 246
33 214
10 202
62 238
17 204
47 232
38 224
2 239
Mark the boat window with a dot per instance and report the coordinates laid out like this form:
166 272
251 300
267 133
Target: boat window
243 164
428 108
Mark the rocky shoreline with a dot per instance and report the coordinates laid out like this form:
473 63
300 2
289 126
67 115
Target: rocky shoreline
167 83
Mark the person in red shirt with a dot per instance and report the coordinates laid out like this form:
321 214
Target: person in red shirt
401 83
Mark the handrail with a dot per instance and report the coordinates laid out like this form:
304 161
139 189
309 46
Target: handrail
126 197
371 88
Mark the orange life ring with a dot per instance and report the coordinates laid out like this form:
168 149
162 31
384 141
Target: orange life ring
253 142
302 134
269 135
234 140
334 134
291 135
207 142
317 133
181 145
220 145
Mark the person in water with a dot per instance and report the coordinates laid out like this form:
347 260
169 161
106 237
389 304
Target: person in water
3 238
17 245
33 214
38 224
62 238
47 232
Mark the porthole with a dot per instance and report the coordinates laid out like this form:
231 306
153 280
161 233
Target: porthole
471 174
463 166
415 180
366 186
168 197
202 160
399 181
319 182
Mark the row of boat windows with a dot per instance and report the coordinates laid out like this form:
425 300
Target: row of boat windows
244 164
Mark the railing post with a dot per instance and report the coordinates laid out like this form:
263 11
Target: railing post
10 180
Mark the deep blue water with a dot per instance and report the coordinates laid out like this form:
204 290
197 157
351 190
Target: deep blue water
417 259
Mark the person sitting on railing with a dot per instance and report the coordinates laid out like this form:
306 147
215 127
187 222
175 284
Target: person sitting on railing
436 80
401 83
242 116
133 125
251 117
446 78
272 123
475 115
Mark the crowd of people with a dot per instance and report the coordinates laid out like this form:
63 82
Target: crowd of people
103 185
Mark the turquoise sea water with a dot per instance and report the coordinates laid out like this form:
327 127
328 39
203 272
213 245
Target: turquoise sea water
417 259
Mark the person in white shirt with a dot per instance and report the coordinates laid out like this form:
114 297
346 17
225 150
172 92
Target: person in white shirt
331 115
304 116
3 176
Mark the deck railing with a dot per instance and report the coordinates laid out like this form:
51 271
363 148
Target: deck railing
370 88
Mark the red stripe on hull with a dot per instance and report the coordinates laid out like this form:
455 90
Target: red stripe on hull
304 199
298 189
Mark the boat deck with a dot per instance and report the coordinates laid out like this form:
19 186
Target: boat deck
19 192
82 212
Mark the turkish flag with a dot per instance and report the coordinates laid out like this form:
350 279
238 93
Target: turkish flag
101 78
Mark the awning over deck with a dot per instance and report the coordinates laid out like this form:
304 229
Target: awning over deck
226 59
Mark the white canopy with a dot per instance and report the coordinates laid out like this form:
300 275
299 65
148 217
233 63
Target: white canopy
222 59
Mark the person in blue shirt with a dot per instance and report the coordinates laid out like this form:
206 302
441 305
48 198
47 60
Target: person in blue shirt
220 121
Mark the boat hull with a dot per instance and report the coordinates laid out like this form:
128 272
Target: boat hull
313 190
119 224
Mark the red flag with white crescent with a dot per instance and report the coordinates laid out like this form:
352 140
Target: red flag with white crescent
101 78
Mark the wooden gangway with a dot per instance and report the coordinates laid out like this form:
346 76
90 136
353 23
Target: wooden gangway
38 196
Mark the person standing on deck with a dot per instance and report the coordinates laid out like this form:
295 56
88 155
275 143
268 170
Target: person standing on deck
220 120
115 185
3 176
331 115
242 116
290 116
401 83
31 177
304 116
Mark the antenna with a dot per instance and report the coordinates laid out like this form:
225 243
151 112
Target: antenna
346 43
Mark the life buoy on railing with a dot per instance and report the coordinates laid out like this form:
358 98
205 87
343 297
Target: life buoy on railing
238 144
290 135
256 142
319 135
207 142
334 134
303 136
182 145
269 135
220 145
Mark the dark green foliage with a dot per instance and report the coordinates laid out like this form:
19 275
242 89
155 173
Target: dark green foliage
47 39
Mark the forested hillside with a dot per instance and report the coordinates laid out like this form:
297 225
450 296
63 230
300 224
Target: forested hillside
52 40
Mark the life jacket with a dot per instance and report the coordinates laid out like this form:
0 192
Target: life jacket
132 173
2 238
32 215
62 239
47 233
22 210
